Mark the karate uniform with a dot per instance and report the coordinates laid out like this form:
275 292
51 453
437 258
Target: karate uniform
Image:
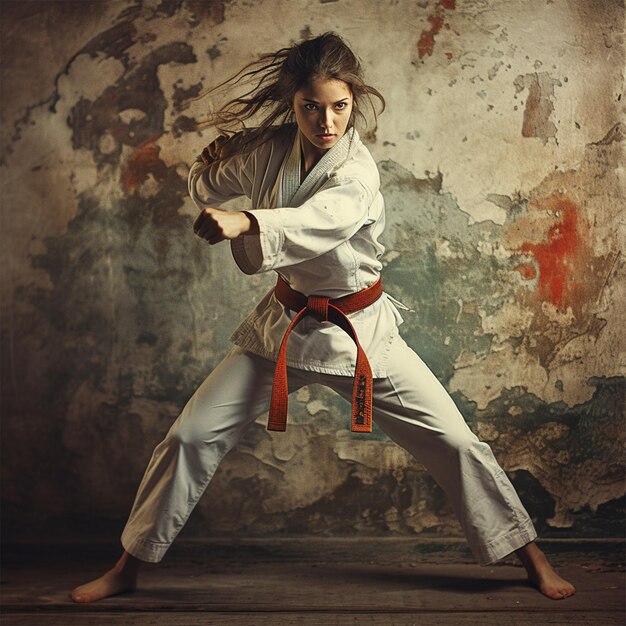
322 237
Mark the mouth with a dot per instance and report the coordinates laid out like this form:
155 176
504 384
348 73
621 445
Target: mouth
328 137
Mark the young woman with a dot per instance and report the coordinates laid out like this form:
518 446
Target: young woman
316 220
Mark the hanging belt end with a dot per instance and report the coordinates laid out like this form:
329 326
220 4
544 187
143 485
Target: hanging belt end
277 418
362 402
362 428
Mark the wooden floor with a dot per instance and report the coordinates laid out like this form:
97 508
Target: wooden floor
307 581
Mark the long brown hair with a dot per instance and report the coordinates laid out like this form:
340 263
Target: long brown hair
276 77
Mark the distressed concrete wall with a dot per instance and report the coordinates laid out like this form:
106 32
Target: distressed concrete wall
501 155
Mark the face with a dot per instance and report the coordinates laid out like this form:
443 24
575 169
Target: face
322 109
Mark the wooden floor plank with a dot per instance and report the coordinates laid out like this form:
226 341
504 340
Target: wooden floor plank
309 582
602 618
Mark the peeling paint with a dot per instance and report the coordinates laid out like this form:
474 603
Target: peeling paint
539 105
144 161
426 42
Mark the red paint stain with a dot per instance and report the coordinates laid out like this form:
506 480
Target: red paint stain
144 161
557 257
426 42
527 271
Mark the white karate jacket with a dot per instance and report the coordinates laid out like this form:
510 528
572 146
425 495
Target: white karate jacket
321 236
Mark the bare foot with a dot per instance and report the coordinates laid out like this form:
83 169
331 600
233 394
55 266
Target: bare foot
123 577
542 575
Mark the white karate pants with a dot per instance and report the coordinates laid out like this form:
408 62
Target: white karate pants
410 406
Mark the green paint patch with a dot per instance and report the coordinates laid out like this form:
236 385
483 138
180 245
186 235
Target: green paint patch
434 264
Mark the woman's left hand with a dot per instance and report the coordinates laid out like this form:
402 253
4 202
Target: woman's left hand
216 225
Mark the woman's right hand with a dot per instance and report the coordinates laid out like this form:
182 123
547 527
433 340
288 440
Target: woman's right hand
217 225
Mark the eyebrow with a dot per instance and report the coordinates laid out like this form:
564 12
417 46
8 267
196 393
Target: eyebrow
316 102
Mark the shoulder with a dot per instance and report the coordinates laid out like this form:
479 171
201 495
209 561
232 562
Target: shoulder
248 147
267 138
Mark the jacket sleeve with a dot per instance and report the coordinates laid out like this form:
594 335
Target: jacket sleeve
215 183
291 235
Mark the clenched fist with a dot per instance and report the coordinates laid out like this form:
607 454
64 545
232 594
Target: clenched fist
216 225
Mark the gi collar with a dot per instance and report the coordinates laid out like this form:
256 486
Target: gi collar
292 192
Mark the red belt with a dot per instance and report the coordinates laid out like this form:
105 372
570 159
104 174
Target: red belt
335 311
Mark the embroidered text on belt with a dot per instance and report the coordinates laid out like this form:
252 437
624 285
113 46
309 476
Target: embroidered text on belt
336 311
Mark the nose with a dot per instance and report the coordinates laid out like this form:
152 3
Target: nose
326 119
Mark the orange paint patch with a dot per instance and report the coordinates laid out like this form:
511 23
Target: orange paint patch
145 160
559 257
527 271
426 42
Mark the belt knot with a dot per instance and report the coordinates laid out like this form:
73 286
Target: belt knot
318 305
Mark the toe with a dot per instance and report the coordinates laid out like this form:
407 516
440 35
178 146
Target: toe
81 596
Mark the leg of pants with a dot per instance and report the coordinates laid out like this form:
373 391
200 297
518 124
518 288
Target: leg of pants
220 411
414 410
410 405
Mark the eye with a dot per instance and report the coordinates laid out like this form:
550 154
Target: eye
309 106
341 105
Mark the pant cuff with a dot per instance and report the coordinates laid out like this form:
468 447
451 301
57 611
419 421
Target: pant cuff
502 546
144 550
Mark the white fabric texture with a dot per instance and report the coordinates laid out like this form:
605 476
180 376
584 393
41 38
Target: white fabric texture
410 406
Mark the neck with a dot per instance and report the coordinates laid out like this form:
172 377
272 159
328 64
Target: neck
310 155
